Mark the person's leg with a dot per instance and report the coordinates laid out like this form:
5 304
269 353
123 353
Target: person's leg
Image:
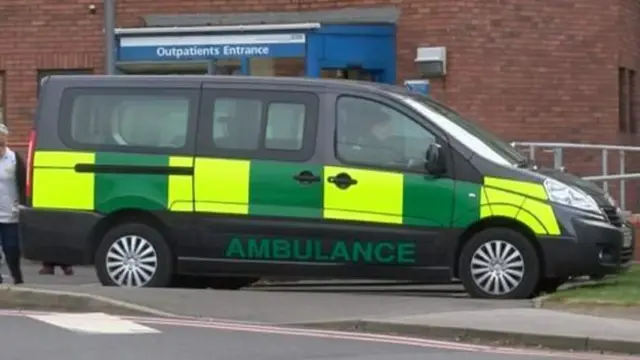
47 268
4 256
67 269
11 246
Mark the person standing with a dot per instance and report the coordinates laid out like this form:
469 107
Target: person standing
49 268
13 178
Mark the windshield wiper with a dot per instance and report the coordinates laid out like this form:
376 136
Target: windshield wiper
526 163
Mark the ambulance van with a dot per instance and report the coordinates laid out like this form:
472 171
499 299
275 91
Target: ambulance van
225 180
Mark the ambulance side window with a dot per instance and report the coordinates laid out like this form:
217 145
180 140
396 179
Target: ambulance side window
256 124
127 119
374 134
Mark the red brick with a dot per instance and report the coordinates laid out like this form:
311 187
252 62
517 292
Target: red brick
528 70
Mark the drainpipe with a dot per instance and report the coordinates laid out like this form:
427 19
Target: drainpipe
110 36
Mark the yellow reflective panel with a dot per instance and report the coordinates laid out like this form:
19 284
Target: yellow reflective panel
531 189
222 185
545 215
54 172
180 186
485 208
62 159
503 203
377 197
530 221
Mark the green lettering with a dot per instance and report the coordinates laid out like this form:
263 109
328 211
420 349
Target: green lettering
339 252
406 253
379 257
362 252
298 253
235 249
258 249
281 249
317 254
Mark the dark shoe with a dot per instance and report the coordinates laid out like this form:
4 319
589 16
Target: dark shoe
18 282
67 270
46 271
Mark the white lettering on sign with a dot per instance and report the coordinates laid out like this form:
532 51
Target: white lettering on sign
176 52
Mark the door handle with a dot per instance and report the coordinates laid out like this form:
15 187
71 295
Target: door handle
342 180
306 177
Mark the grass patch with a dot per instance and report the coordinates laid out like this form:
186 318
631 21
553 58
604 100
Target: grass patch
620 290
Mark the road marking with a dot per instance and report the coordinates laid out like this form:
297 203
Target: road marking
229 325
94 323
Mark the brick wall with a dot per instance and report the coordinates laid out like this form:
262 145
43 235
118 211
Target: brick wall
529 70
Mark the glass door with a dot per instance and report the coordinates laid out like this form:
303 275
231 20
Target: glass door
351 74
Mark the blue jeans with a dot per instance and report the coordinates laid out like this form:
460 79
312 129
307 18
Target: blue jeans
10 242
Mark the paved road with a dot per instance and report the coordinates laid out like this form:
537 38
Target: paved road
59 338
83 275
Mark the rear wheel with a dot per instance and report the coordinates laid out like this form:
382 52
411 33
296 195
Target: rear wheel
134 255
499 263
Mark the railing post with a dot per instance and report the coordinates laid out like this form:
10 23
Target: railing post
532 152
605 169
623 184
557 158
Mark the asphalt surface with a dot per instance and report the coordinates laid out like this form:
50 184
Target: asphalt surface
25 338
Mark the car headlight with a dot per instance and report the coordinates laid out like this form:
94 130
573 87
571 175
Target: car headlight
566 195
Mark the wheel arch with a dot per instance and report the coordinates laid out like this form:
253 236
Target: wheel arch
494 222
124 216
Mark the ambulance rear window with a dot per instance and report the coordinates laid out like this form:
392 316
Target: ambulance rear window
129 118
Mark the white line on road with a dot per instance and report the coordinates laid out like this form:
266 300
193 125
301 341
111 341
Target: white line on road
94 323
331 334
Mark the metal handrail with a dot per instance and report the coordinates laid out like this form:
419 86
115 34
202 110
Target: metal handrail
557 149
576 146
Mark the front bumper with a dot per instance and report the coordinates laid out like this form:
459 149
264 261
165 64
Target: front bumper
587 246
62 237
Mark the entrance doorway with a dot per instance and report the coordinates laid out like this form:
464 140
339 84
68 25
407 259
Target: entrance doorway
352 74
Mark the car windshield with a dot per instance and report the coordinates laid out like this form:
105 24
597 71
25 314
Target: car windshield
467 131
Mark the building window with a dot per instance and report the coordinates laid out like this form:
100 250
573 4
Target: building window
627 120
48 72
128 118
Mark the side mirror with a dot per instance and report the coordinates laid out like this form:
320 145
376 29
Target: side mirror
435 163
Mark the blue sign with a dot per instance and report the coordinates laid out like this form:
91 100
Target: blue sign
419 86
173 48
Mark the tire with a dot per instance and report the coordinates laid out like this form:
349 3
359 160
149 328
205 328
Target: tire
509 239
151 239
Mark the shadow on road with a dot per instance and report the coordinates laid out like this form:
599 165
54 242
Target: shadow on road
395 288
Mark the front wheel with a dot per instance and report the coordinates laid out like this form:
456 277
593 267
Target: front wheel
134 255
499 263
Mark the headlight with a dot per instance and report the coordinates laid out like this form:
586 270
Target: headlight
570 196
